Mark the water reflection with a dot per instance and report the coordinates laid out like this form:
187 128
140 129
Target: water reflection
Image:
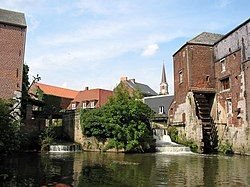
95 169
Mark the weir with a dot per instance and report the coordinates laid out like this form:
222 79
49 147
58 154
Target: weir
165 145
65 148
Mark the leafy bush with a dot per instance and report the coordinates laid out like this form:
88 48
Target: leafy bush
10 136
47 137
226 148
173 133
125 120
190 143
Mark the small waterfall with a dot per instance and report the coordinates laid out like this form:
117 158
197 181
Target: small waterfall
65 148
165 145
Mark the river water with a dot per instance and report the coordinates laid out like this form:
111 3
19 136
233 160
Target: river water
111 169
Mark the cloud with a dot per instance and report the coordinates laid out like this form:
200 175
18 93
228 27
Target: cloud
150 50
18 5
87 37
223 3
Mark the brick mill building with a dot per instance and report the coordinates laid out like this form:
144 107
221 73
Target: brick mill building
12 48
211 82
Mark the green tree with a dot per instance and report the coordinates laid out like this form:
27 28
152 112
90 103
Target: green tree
10 139
125 120
25 89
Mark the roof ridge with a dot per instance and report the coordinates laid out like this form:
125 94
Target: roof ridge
57 87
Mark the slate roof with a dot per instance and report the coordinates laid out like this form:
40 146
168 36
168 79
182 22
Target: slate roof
143 88
155 102
57 91
206 38
12 18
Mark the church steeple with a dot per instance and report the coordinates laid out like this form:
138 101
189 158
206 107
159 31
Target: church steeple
163 76
164 84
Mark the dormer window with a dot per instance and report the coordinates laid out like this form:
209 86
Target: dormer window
161 110
92 104
73 106
84 105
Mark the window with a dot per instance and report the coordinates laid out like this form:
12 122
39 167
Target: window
92 104
180 77
229 106
208 78
161 110
225 84
223 65
73 106
84 105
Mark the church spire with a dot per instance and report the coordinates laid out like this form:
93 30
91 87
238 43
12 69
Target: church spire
164 84
163 76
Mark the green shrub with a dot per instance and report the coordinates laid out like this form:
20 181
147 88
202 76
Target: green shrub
10 134
175 137
125 120
173 133
47 137
225 147
190 143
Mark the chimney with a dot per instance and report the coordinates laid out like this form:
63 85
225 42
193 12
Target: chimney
133 80
123 79
86 88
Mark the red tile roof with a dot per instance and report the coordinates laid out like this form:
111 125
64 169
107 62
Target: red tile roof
57 91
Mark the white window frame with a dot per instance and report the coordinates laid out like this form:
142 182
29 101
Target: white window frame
73 106
92 104
84 105
161 110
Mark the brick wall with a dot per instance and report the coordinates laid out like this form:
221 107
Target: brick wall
197 66
180 65
104 97
233 71
12 46
201 67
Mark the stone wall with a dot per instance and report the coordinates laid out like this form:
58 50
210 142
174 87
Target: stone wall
33 126
246 68
68 122
72 128
192 129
